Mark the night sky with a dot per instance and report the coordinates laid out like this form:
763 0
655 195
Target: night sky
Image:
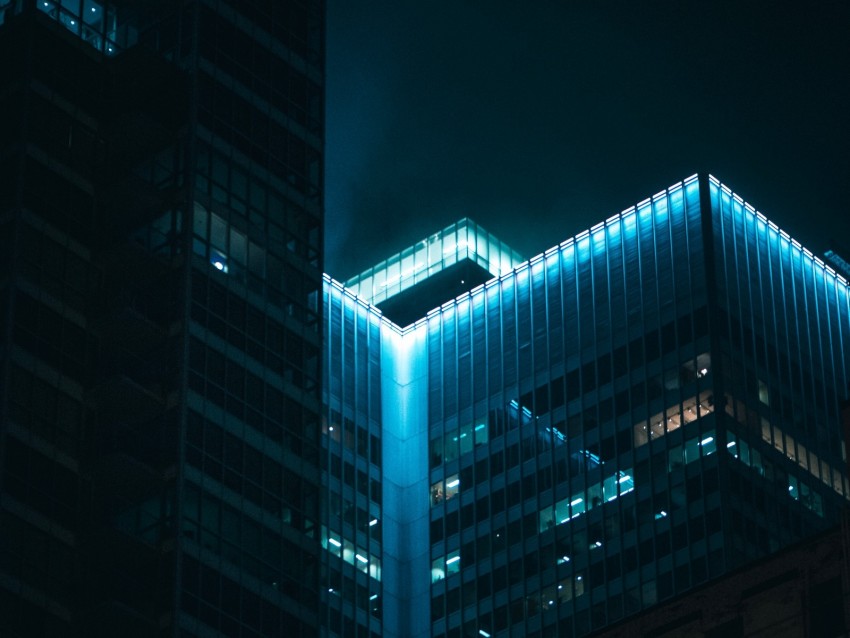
541 118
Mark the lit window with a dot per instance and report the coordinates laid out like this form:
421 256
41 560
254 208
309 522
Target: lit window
445 490
438 493
218 260
438 570
452 486
793 490
453 563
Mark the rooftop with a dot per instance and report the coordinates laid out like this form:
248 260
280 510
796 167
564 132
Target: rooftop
434 270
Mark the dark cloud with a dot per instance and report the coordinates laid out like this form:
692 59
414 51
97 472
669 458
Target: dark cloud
539 119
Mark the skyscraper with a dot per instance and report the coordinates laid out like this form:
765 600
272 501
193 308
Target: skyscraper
161 317
632 413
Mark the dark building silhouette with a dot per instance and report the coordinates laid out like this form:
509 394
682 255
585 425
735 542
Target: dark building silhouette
160 317
641 410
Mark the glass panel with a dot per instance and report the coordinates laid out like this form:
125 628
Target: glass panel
438 570
361 560
577 506
238 247
480 432
218 232
465 438
691 450
452 486
451 448
641 435
793 490
610 488
437 493
256 259
708 444
675 458
453 563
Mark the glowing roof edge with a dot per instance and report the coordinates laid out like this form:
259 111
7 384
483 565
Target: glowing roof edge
467 240
461 240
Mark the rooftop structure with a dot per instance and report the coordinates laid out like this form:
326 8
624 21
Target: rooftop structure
434 270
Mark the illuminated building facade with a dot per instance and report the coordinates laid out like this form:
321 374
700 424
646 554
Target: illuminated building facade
160 318
632 413
376 511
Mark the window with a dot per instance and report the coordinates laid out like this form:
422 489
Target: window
445 490
445 566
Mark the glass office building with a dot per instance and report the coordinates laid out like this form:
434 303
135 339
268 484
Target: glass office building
640 409
160 317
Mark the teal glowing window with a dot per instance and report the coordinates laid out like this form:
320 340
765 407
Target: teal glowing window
91 21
